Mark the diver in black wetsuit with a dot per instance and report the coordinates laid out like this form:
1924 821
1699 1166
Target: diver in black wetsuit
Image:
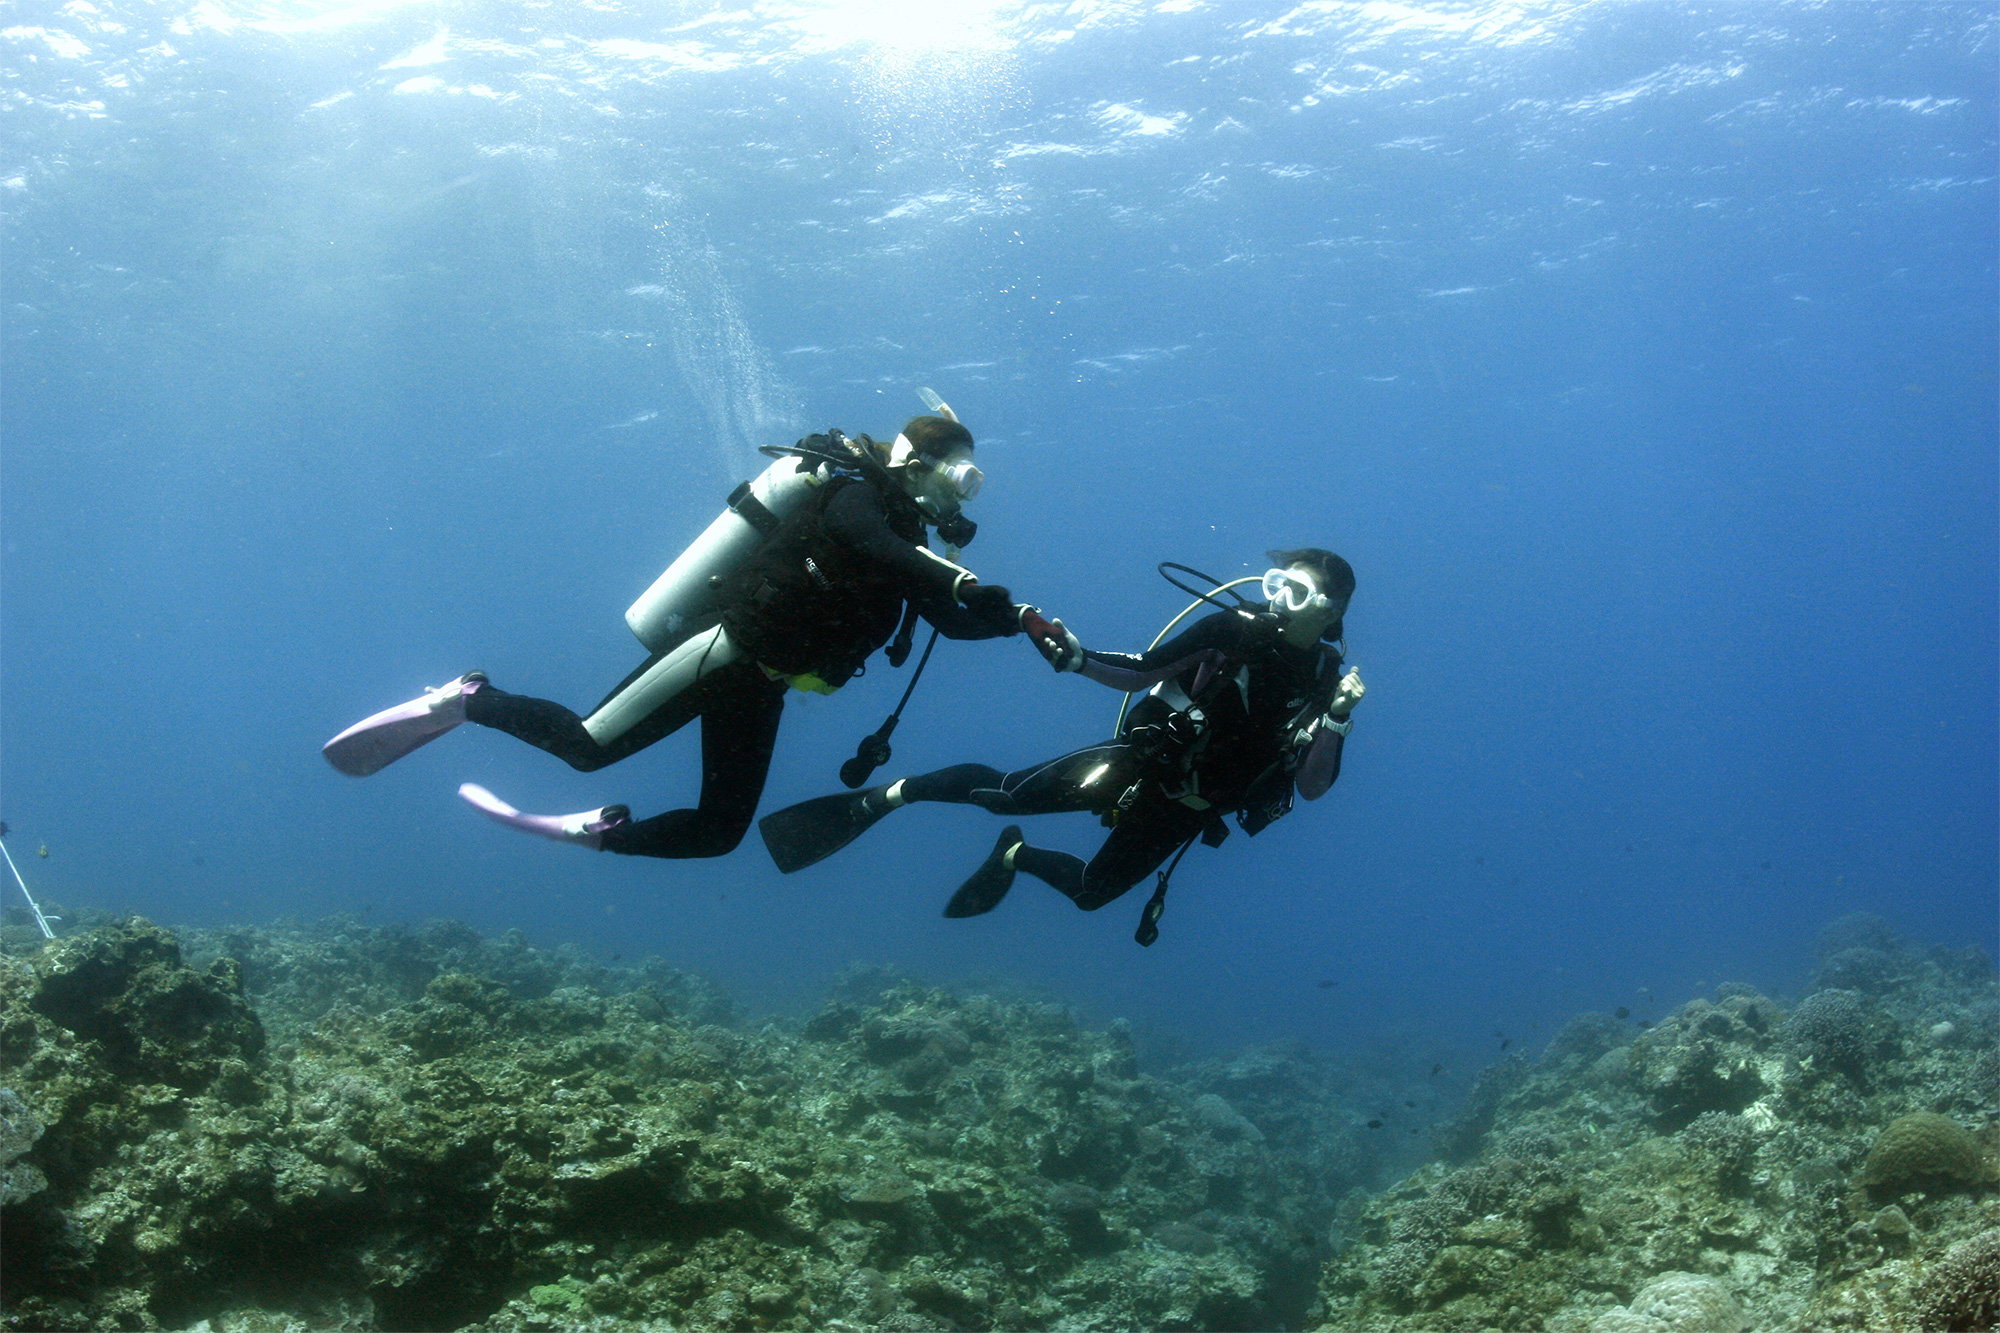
1246 708
825 589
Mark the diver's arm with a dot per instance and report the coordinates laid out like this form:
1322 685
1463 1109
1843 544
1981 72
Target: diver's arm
855 519
959 622
941 589
1224 630
1320 768
1319 765
1202 645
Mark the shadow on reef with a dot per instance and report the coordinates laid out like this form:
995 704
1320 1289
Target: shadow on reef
342 1126
1735 1167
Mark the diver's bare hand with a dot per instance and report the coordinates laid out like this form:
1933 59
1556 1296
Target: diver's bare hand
1347 695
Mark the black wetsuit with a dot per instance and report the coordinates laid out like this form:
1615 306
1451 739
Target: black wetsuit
1171 775
821 594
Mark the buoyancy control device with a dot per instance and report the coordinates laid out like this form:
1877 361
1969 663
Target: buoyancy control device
677 617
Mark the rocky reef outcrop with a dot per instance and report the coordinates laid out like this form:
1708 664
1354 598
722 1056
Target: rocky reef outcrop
1740 1165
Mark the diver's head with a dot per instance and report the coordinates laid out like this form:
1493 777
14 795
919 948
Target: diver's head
1309 590
933 456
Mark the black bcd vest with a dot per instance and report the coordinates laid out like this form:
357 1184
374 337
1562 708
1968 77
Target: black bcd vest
804 602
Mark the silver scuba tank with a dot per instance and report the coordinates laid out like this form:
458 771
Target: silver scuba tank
682 596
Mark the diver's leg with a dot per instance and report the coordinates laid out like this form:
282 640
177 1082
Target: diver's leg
547 725
953 786
1151 833
1141 841
809 832
1086 779
739 710
1058 870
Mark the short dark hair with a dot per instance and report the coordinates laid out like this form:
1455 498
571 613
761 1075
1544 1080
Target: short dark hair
934 437
1336 576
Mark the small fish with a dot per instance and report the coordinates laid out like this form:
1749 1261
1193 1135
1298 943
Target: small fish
44 851
1506 1042
616 956
1437 1069
1621 1013
1411 1105
1328 985
1374 1124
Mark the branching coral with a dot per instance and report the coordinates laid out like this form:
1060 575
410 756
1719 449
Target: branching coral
1830 1027
1962 1292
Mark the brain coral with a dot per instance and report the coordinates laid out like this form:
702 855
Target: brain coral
1689 1303
1676 1303
1962 1291
1926 1146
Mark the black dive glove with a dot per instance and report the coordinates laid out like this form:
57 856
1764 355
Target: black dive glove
993 606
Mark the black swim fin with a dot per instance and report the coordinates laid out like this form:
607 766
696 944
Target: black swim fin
989 884
803 834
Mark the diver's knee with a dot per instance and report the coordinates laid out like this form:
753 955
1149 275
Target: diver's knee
1095 896
719 837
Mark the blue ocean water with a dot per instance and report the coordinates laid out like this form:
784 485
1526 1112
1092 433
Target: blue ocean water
1640 357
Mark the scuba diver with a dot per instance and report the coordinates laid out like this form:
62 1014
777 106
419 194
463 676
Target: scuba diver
1248 705
801 578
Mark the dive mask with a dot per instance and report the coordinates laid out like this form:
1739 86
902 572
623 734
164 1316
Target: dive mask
948 481
962 478
1288 591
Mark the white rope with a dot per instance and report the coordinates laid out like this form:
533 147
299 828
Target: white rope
33 906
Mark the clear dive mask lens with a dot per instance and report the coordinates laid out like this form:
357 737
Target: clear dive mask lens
962 478
1286 591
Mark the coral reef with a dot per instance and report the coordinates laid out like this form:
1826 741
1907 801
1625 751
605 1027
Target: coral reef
1963 1290
18 1131
1830 1027
1926 1148
1676 1303
1732 1167
354 1127
447 1132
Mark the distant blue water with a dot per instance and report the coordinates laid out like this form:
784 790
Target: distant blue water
1640 357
